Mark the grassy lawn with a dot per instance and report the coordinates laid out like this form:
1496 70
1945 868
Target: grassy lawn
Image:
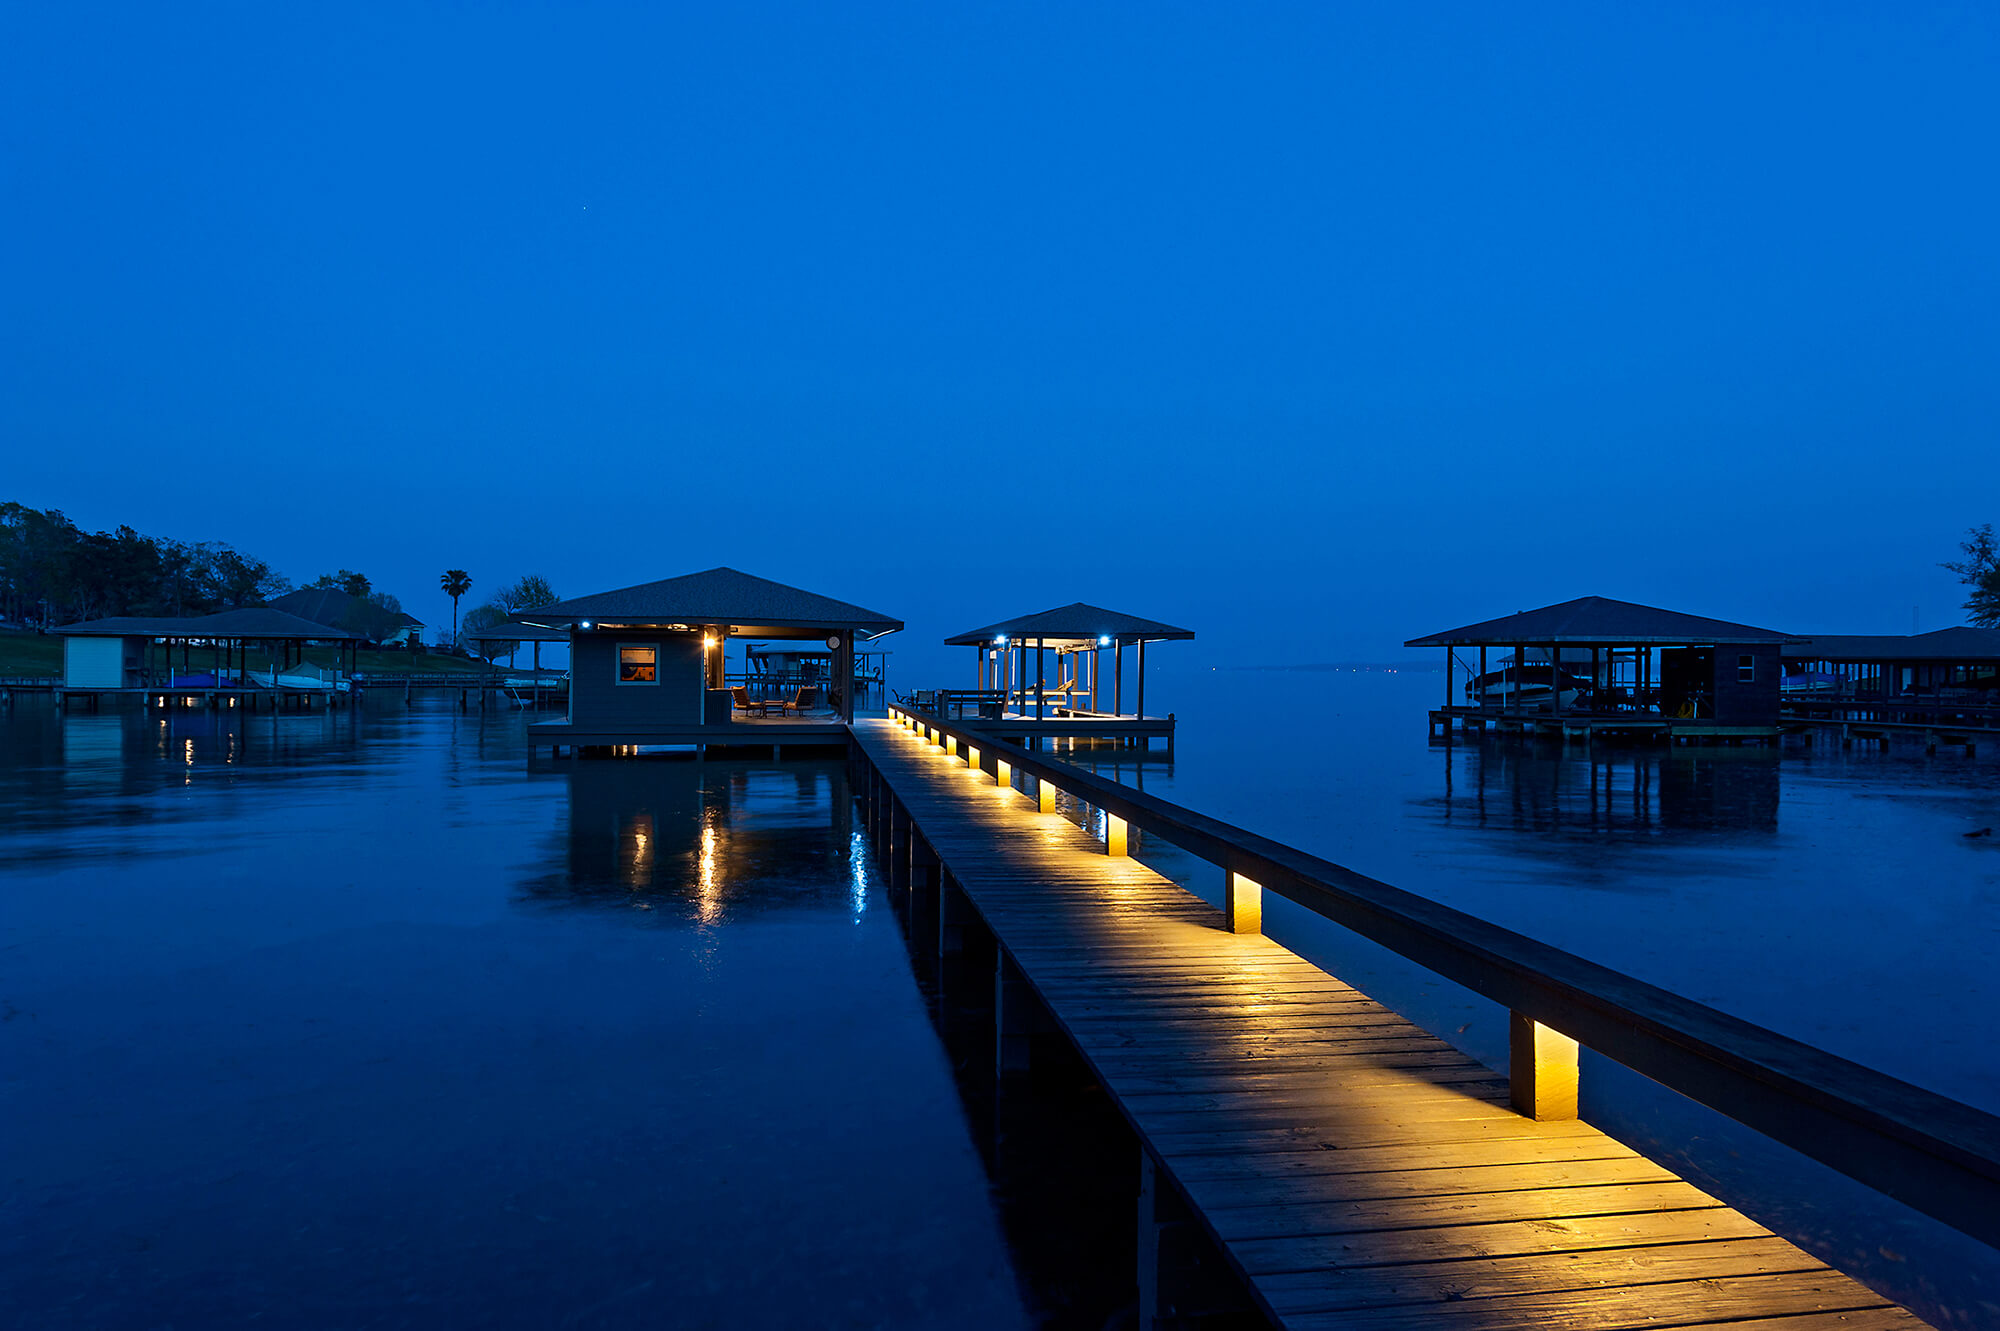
32 654
29 654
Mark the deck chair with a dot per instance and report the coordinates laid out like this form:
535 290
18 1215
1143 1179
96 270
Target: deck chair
805 699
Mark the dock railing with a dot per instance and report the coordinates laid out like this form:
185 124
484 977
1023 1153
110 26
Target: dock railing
1927 1151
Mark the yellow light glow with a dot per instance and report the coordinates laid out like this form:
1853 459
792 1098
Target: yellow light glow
1541 1069
1245 905
1114 835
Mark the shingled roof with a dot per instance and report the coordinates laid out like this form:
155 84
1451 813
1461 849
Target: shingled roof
257 622
718 596
330 605
1599 620
1953 644
1077 622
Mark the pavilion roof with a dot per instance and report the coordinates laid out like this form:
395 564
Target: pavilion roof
331 605
260 622
1599 621
1953 644
1075 623
718 596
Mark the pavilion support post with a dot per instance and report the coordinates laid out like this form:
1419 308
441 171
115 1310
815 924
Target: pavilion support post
1541 1069
1041 678
1139 703
1243 902
1118 678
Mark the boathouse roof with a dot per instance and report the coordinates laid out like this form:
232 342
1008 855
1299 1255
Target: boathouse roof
516 630
1077 624
751 606
1600 621
259 622
331 605
1940 645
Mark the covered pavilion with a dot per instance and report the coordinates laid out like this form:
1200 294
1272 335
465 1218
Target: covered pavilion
1944 662
1688 672
135 653
1079 634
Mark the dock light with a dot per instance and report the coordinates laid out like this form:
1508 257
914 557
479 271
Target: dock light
708 644
1000 641
1104 641
584 625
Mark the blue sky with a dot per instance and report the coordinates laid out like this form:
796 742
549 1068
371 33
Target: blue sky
1341 324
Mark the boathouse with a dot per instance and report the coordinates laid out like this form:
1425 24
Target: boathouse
646 663
134 654
1599 665
1956 661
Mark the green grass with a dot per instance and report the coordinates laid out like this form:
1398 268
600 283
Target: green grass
29 654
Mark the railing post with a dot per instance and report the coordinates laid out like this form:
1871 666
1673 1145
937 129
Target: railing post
1541 1069
972 757
1045 795
1243 902
1003 774
1114 836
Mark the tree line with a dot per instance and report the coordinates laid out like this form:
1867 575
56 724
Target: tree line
1980 570
54 572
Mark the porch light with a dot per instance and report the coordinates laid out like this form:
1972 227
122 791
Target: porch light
1104 641
1000 641
584 625
708 644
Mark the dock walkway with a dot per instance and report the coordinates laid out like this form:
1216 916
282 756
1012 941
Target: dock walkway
1356 1170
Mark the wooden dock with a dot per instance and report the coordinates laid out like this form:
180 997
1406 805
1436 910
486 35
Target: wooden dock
1355 1170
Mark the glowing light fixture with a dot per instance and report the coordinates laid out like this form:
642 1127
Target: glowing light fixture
584 625
1104 641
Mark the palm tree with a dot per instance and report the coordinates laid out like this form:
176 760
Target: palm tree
455 582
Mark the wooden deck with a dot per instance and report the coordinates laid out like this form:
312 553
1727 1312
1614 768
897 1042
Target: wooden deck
1356 1170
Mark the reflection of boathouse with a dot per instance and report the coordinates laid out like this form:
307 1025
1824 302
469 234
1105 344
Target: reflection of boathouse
711 838
1595 666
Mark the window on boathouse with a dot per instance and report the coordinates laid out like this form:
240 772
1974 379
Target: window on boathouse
1746 668
638 663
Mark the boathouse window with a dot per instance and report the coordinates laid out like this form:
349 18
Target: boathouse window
1746 669
638 663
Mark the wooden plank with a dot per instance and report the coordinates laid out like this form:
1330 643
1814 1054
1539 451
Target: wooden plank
1535 1204
1441 1282
1538 1238
1294 1190
1684 1303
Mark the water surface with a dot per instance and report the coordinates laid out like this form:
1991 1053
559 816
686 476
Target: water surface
358 1021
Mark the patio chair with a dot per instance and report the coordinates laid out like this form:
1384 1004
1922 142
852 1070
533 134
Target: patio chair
806 698
739 696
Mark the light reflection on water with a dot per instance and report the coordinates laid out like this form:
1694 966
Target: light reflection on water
360 1020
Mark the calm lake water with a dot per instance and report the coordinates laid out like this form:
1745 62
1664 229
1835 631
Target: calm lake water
366 1021
347 1021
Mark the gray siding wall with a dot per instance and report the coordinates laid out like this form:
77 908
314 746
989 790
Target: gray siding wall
598 700
1752 703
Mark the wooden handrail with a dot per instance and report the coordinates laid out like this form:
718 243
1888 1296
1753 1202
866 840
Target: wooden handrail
1928 1151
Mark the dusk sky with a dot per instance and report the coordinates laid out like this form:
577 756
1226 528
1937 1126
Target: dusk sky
1313 328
